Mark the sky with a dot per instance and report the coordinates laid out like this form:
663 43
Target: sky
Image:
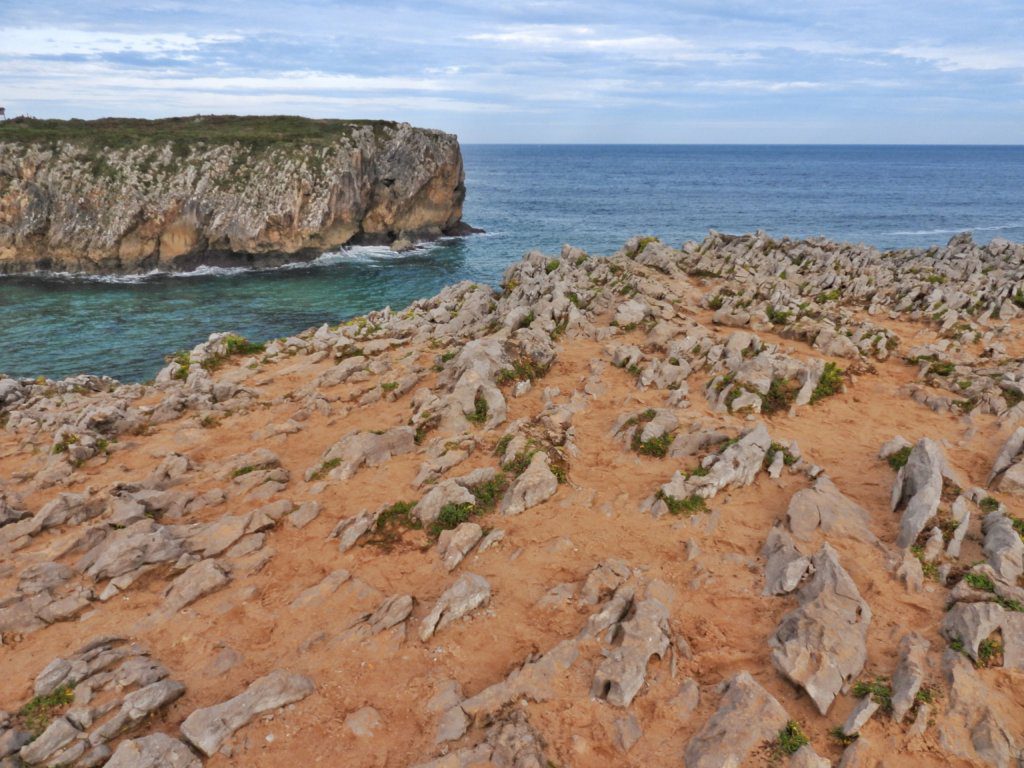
538 71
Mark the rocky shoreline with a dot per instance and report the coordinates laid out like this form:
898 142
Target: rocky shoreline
130 202
744 502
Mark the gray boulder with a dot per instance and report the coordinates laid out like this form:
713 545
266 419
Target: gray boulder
535 486
158 750
468 593
621 674
747 716
821 645
785 566
208 728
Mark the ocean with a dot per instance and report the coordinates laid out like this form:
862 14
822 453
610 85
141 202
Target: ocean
525 197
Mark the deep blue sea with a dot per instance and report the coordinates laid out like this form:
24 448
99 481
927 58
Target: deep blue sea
526 197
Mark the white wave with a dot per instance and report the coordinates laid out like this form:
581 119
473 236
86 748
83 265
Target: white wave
994 228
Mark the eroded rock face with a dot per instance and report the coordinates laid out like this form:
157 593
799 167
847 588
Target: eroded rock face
746 717
821 645
293 199
207 728
918 489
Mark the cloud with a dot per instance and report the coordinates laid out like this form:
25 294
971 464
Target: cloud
56 41
958 58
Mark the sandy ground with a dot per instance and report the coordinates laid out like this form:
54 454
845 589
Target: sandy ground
718 604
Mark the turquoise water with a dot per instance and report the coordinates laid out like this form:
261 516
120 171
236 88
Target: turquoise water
525 197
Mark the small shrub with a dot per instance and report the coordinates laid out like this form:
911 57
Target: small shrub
425 427
523 369
518 464
899 459
452 515
791 738
980 581
777 317
239 345
502 445
656 446
527 321
479 414
878 689
324 468
781 395
788 459
941 368
689 506
830 383
37 713
391 522
716 302
988 504
551 266
488 493
389 386
644 242
843 740
990 653
244 470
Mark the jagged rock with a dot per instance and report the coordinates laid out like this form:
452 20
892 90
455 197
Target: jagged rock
468 593
58 734
304 514
349 529
454 545
909 674
535 486
785 566
201 579
43 577
821 645
390 613
138 705
446 492
358 449
603 580
123 551
746 717
1008 458
823 506
972 623
1003 546
806 757
973 729
918 490
857 755
621 675
860 715
534 680
207 728
627 732
158 750
320 591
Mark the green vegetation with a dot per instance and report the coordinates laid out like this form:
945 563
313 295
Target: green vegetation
644 242
990 653
780 396
479 414
791 738
425 427
184 132
716 302
826 296
656 446
930 570
38 713
523 369
551 266
324 468
777 317
244 470
843 740
878 689
502 445
527 321
239 345
788 459
830 383
65 443
989 504
980 581
941 368
389 386
689 506
391 522
899 459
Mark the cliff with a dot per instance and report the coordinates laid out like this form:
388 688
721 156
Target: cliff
748 502
113 196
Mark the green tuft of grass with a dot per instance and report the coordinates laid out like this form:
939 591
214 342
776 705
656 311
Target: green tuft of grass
391 523
830 383
656 446
324 468
479 414
452 515
489 492
843 740
523 369
791 738
551 266
389 386
941 368
689 506
980 581
989 504
899 459
37 713
781 395
777 317
878 689
990 652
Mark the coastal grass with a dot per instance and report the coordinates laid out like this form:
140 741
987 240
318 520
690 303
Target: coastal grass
37 713
259 132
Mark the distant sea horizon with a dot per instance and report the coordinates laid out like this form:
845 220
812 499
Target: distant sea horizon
528 196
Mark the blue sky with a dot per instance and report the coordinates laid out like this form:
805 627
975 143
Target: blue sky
538 70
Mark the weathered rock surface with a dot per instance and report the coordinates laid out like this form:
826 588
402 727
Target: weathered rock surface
468 593
746 717
821 645
224 203
207 728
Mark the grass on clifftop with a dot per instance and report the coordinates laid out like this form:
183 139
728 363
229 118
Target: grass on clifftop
124 133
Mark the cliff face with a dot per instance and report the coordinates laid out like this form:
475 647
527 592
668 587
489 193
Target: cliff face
153 202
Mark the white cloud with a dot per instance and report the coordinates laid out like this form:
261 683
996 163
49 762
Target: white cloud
56 41
956 59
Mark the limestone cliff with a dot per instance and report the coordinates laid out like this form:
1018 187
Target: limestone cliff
114 196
